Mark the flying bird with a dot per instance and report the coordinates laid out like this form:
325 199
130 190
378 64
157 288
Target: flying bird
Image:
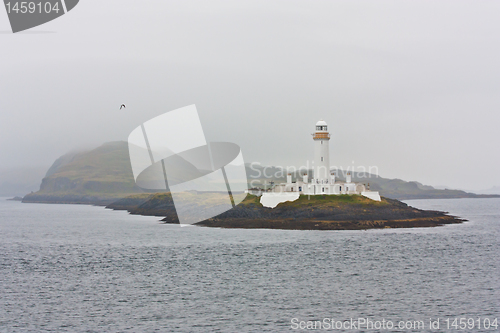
122 106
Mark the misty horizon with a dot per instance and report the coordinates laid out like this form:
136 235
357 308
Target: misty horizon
411 88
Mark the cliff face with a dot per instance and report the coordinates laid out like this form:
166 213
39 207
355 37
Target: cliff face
334 212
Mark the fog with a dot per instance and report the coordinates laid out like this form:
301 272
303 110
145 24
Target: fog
412 88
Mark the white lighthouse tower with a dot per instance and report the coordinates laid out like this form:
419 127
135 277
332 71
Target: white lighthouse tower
321 139
323 181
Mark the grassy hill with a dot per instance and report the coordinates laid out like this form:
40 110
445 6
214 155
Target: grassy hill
98 176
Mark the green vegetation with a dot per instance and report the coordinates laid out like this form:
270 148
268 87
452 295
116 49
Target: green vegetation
333 201
251 200
321 201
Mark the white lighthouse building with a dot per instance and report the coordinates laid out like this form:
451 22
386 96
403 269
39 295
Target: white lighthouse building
321 139
322 182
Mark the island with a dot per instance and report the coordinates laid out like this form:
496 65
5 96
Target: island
319 212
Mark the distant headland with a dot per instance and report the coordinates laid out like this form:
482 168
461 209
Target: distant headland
104 175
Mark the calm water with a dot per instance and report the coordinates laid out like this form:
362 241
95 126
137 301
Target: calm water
87 269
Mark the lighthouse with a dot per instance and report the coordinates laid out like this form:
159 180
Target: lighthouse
321 139
323 181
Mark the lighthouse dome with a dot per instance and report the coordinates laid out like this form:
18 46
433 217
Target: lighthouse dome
321 126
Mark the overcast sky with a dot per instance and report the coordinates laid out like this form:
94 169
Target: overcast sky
411 87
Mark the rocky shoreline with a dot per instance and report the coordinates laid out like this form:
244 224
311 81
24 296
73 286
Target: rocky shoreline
343 212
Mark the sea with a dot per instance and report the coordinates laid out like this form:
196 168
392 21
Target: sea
77 268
